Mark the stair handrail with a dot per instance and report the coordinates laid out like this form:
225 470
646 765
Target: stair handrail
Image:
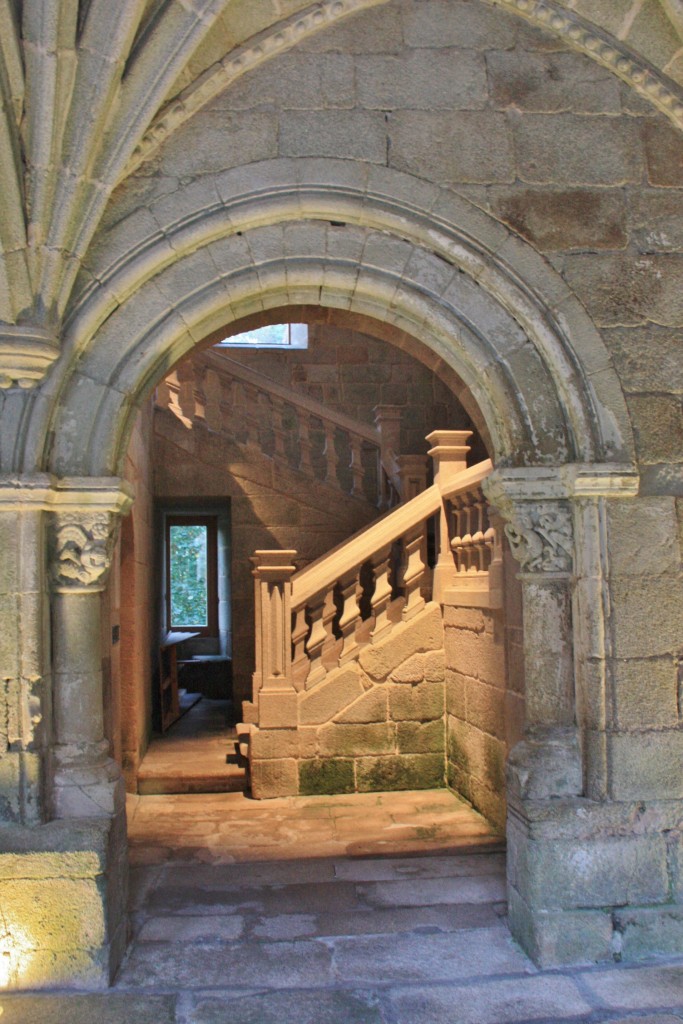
292 397
324 572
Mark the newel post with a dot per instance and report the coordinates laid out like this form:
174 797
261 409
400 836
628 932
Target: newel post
449 453
388 423
273 685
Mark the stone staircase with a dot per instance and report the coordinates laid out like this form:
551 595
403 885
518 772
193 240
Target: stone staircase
349 687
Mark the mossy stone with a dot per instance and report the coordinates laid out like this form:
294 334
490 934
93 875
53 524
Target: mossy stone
327 776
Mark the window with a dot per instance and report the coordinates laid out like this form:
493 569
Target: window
273 336
191 585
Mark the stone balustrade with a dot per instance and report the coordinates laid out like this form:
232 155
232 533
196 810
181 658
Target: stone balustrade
358 459
313 622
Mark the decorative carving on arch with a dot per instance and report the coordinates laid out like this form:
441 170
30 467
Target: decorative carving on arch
575 31
603 48
270 43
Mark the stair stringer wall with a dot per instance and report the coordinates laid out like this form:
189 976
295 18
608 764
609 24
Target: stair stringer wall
377 723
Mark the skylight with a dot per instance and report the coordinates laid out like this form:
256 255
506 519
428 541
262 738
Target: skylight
273 336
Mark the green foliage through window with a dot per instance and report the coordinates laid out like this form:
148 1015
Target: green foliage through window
188 569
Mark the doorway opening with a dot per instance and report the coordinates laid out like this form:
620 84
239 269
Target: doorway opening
250 450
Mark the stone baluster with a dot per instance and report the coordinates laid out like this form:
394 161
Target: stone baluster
277 406
87 782
300 662
413 565
213 394
381 597
356 466
251 413
449 453
412 474
305 444
349 589
330 453
388 423
322 610
185 375
273 682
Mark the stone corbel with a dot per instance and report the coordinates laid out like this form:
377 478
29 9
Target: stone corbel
84 528
26 354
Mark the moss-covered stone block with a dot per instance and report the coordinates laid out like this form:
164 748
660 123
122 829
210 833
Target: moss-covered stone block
419 738
406 771
326 776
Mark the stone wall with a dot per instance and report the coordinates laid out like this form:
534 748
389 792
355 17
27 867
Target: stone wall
375 724
351 372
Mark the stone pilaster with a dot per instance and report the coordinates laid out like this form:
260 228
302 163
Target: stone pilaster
83 528
538 525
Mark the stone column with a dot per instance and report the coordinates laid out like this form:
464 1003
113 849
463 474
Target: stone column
84 523
538 525
273 684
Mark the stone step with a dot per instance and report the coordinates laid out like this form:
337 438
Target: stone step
183 779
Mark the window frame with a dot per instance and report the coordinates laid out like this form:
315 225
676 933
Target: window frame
211 523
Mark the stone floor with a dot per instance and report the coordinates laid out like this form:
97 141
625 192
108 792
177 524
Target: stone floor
195 755
367 909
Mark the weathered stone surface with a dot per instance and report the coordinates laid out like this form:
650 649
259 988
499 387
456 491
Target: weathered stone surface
421 703
640 537
551 998
436 957
626 290
423 633
415 738
287 1008
646 693
551 82
279 777
354 740
112 1008
407 771
555 937
359 134
564 220
647 358
648 930
663 154
641 764
551 150
327 775
449 80
632 631
412 670
436 24
587 871
644 988
658 427
334 693
467 147
372 707
656 222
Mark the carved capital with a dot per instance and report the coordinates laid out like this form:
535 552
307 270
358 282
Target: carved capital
82 548
539 530
541 537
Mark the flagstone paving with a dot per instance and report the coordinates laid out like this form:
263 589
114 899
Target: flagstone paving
363 909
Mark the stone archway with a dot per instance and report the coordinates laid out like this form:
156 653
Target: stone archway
392 248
